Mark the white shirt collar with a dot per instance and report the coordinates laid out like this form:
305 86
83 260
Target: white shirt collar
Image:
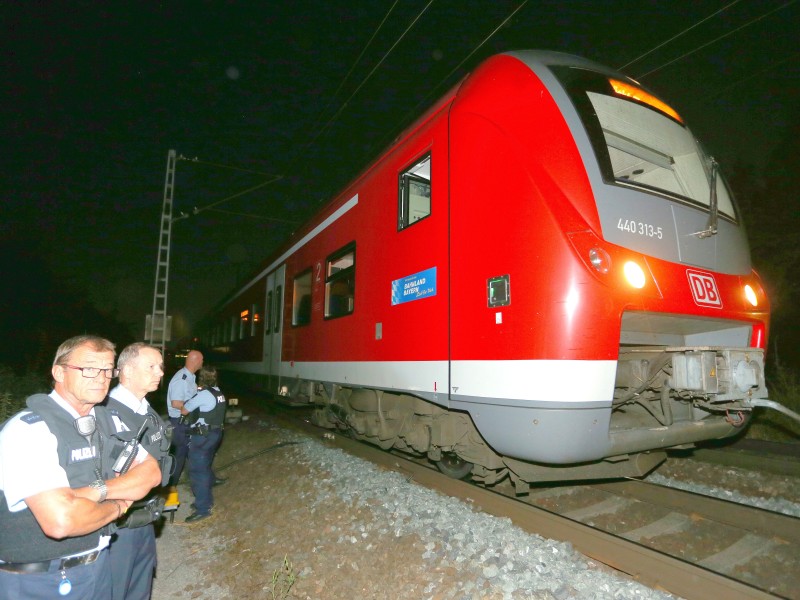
66 405
124 395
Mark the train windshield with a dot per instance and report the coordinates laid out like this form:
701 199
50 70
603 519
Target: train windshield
642 142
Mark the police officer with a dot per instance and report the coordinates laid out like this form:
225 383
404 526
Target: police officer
133 548
206 413
59 492
182 386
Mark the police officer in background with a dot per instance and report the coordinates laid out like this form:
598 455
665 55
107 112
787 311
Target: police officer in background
133 549
182 386
59 490
206 414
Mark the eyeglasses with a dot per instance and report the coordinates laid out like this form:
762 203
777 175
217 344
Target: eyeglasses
92 372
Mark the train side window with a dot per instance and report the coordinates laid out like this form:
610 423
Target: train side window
278 308
414 195
301 299
340 282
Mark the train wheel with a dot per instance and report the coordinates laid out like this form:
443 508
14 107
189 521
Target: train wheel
453 466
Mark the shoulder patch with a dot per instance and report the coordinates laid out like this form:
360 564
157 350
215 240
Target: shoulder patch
184 376
31 418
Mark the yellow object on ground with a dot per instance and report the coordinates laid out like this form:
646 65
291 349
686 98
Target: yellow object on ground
171 501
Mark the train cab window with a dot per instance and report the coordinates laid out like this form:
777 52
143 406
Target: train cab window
232 330
414 196
340 282
301 299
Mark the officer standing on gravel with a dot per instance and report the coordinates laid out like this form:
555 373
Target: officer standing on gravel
133 549
182 386
60 491
206 415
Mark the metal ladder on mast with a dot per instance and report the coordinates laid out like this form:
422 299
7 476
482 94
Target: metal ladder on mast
157 333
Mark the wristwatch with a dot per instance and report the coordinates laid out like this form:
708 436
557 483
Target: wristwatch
100 486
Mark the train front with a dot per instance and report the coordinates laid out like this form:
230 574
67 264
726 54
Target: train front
620 313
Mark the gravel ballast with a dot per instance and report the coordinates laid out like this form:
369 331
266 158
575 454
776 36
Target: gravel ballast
340 527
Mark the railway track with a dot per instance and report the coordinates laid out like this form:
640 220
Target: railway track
690 545
780 459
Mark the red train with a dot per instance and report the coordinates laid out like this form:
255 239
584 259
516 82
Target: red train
544 277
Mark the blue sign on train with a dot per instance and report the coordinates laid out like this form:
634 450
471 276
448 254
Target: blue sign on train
414 287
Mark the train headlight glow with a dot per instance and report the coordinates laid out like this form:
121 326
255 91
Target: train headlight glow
600 260
634 274
750 294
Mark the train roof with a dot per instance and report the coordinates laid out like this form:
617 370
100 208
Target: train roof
539 61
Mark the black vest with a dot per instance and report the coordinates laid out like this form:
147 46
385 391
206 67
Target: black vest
216 416
23 539
155 438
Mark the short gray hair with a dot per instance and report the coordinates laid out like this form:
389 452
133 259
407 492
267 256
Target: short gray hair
96 343
131 352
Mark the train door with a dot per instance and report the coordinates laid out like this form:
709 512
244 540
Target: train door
273 328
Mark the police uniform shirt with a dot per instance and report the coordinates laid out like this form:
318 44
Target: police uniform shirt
182 386
122 394
205 401
29 460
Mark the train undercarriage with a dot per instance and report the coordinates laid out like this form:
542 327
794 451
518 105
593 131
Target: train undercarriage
664 398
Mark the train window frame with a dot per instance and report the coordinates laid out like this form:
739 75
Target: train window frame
278 300
244 322
268 314
417 176
301 299
256 317
343 279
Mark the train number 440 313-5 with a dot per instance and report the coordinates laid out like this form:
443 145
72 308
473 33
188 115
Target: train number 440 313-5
639 228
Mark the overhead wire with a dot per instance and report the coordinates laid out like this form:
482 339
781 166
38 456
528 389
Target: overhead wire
675 37
260 217
346 78
755 75
344 104
445 79
196 211
272 179
715 40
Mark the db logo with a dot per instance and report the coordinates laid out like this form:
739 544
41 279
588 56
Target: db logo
704 289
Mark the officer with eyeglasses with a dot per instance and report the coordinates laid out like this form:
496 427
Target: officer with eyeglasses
60 492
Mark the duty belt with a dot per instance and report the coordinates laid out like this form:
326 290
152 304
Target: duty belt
57 564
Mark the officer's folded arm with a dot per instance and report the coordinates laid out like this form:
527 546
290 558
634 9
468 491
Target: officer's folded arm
137 482
65 512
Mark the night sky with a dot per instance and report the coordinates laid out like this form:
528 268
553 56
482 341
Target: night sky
95 96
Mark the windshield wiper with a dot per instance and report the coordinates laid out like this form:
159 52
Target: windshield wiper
711 228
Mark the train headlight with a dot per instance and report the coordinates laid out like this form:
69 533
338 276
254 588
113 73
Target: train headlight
634 274
600 260
750 294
